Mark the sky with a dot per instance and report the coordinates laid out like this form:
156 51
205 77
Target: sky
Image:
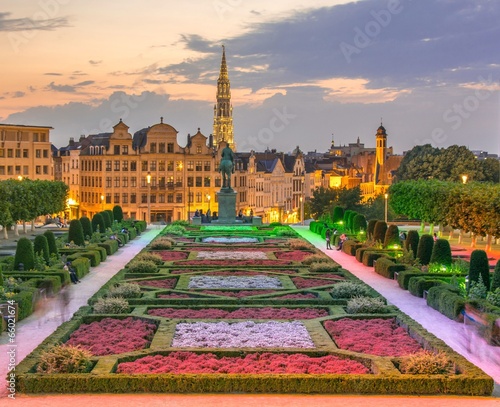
303 73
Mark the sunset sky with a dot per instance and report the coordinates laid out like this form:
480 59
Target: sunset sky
300 70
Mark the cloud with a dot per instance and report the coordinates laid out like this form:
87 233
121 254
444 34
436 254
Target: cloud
85 83
92 62
61 88
53 74
29 24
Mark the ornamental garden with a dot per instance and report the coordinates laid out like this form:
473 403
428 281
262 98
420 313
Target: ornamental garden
250 309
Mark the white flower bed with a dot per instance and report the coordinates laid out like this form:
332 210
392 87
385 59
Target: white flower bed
230 240
231 255
234 282
247 334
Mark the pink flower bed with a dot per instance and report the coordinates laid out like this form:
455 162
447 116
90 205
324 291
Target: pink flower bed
236 294
173 295
165 283
331 276
253 262
182 271
234 273
294 255
111 336
301 282
382 337
224 249
297 296
241 313
253 363
171 255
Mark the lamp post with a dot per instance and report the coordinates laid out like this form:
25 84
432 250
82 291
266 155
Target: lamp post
102 203
208 198
301 210
148 179
464 178
386 195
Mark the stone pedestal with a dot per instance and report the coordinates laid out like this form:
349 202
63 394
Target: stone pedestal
226 199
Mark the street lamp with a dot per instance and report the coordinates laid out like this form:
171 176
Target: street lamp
148 179
102 203
301 210
464 178
385 206
208 198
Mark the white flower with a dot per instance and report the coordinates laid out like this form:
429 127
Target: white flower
234 282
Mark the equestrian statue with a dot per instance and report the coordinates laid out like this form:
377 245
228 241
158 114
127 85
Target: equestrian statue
226 167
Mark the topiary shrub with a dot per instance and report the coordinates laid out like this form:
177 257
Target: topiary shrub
125 290
111 216
337 214
441 253
75 233
391 237
24 254
98 223
176 230
358 223
316 258
426 362
65 359
327 267
411 242
41 246
87 227
379 231
350 220
107 220
112 305
142 267
479 266
162 243
345 218
371 228
495 281
146 256
284 231
51 241
118 213
424 249
348 289
366 305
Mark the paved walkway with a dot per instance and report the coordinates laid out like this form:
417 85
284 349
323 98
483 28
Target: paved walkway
29 335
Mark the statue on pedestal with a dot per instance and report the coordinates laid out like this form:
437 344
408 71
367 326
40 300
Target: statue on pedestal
226 167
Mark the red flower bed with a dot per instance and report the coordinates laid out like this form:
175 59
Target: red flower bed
294 255
171 255
297 296
253 363
173 295
236 294
165 283
182 271
233 273
331 276
226 246
255 262
382 337
309 282
111 336
241 313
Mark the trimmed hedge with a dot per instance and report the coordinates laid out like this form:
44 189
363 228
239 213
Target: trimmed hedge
24 254
51 241
86 226
350 247
424 249
379 231
75 233
370 256
110 245
495 281
418 285
386 267
391 237
41 246
446 299
411 242
118 213
441 253
371 228
479 266
98 223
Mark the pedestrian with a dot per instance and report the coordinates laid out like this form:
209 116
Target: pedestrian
328 236
72 272
435 236
342 239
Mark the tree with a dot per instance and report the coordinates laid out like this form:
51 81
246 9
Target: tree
479 266
491 170
24 254
391 237
98 223
359 223
495 281
441 253
418 163
41 246
6 204
118 213
75 233
111 215
107 220
321 201
87 226
338 214
51 241
424 249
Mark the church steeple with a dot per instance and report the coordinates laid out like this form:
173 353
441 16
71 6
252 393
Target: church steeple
223 111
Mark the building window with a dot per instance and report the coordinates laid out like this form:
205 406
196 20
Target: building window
108 182
144 166
178 198
206 182
124 165
207 166
25 170
43 137
108 197
124 198
190 182
144 198
161 165
2 153
198 197
46 169
170 147
198 166
10 153
152 148
152 198
116 150
133 183
161 198
117 182
125 150
178 165
133 166
108 165
198 149
133 198
45 153
170 198
125 182
152 165
2 169
117 165
161 148
117 198
217 182
170 166
35 136
178 181
198 181
38 169
161 182
18 153
190 165
18 170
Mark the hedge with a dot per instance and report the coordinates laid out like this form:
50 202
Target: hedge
441 253
370 256
24 254
110 245
479 266
447 300
101 250
41 246
411 242
350 247
424 249
418 285
386 267
82 266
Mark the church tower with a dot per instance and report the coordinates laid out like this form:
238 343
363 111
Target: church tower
223 111
380 178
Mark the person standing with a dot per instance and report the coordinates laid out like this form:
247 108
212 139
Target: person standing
328 236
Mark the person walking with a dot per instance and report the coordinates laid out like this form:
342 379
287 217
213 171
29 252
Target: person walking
328 236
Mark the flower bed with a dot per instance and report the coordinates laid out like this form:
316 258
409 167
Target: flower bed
171 255
301 282
231 255
298 296
240 313
224 263
293 255
165 283
246 334
230 240
234 228
252 363
382 337
234 282
111 336
236 294
331 276
174 295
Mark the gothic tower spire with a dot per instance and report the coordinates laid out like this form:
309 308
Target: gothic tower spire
380 152
223 111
